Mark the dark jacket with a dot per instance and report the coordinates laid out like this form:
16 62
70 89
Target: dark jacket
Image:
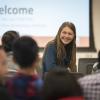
50 58
3 93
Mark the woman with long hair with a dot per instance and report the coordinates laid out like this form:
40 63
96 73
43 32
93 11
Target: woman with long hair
62 50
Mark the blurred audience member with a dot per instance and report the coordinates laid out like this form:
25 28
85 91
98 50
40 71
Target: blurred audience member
91 84
26 85
59 84
7 41
3 70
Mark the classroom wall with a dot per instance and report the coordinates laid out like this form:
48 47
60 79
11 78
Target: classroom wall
96 22
96 31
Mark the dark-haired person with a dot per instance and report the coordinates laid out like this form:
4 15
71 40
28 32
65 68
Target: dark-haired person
96 66
3 70
91 84
7 41
59 84
62 50
26 85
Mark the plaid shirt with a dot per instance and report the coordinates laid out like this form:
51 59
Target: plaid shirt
91 86
22 87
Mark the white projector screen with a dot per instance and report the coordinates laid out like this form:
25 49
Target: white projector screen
42 18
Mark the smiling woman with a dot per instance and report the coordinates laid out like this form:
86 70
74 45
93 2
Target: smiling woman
62 50
66 35
9 10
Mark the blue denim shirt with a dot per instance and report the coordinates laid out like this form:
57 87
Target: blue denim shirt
50 59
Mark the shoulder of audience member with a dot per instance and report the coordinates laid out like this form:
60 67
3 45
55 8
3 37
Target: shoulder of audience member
51 45
90 79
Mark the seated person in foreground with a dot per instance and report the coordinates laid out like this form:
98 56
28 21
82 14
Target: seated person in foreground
7 40
96 66
3 70
26 84
59 84
91 84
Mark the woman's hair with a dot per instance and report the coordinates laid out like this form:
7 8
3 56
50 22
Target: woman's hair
59 83
71 47
8 38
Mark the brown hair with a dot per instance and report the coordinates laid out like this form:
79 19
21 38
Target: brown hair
58 83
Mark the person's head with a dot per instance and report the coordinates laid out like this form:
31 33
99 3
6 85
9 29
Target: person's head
25 52
59 83
3 61
66 37
66 33
8 38
98 65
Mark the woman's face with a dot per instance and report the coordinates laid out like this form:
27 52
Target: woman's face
66 35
